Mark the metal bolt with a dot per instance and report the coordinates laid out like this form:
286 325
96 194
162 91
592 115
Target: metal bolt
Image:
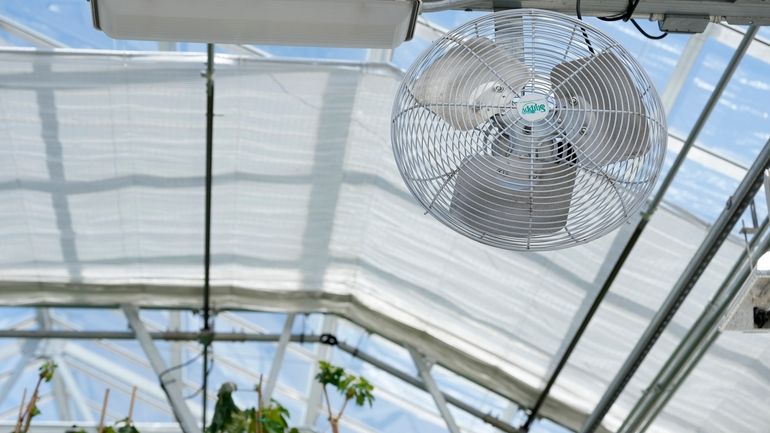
583 130
573 100
498 88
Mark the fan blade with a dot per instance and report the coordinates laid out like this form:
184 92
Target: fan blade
471 82
599 109
511 196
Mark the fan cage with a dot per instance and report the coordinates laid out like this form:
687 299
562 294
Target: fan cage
573 175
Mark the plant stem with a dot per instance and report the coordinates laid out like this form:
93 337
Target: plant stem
106 400
28 414
344 405
259 405
21 412
30 411
328 404
131 405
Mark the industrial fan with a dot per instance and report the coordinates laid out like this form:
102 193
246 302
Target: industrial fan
528 130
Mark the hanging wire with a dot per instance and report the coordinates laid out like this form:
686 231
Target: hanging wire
209 368
353 354
627 16
181 365
585 34
647 35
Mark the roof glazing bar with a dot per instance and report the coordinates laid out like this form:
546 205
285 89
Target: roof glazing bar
733 210
172 389
423 367
642 224
697 341
275 367
23 32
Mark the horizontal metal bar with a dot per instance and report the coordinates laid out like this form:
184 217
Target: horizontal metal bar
128 335
736 12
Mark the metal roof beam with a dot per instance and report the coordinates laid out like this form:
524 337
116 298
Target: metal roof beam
639 229
423 367
734 12
280 352
692 347
172 389
25 33
733 210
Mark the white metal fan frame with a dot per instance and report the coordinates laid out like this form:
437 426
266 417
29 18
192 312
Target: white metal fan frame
444 147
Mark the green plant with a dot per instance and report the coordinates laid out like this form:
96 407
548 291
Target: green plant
264 418
355 388
45 374
121 426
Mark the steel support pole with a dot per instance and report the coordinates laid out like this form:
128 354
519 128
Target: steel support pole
646 216
280 352
423 368
719 231
171 388
206 330
695 342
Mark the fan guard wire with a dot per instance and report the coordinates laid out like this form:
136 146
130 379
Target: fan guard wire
466 153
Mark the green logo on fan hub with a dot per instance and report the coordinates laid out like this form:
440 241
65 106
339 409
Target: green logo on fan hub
533 107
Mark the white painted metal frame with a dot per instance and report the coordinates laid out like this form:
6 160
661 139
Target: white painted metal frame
423 367
723 32
280 352
25 33
172 388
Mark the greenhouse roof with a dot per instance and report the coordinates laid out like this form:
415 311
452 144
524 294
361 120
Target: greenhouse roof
102 175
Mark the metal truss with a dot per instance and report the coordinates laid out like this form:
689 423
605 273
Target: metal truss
424 383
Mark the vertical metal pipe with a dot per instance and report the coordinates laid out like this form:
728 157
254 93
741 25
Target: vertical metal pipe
206 331
646 215
735 206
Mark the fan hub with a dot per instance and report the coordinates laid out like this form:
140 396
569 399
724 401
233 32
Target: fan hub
533 107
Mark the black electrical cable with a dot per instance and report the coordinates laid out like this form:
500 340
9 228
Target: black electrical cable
585 34
627 16
647 35
178 366
207 373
